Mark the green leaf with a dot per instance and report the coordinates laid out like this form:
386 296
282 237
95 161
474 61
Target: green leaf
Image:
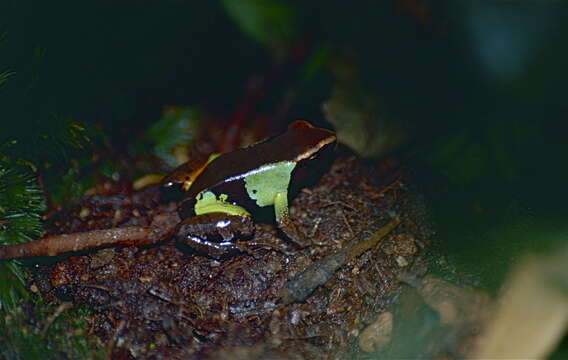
176 127
270 22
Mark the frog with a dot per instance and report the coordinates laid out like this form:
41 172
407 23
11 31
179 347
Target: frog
220 202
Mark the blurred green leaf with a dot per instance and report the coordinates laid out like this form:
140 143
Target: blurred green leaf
269 22
363 122
316 62
176 127
67 185
459 157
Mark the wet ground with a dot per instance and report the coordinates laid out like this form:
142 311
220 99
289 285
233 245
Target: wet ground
165 302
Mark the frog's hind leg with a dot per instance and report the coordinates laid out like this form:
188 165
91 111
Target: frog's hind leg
214 234
284 222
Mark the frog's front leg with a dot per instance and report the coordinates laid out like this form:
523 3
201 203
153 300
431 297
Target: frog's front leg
214 234
283 219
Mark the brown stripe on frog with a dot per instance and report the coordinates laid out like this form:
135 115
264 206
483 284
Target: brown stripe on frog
300 142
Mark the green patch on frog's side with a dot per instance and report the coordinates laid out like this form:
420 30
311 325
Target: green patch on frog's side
265 184
208 202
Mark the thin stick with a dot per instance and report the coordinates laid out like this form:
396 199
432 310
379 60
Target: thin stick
317 274
51 319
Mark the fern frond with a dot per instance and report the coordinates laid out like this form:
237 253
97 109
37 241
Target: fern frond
21 207
21 204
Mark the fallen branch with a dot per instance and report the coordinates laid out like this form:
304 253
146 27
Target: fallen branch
163 226
300 287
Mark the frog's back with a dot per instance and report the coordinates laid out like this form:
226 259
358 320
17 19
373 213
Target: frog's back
299 142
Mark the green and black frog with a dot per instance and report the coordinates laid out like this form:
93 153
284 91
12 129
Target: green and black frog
223 196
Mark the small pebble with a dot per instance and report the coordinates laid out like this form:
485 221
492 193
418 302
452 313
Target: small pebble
401 261
295 317
405 244
84 213
102 258
377 335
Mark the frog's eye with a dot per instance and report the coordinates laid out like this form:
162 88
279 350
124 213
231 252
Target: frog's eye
171 191
169 185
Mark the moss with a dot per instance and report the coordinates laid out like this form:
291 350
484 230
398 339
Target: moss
36 332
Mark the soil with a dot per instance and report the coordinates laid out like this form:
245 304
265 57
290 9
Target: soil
165 302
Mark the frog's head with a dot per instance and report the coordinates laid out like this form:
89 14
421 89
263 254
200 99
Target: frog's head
310 142
176 183
314 149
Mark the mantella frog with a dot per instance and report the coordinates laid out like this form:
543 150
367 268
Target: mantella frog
222 196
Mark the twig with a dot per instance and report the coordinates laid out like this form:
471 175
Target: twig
51 319
344 204
347 223
112 342
300 287
315 228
